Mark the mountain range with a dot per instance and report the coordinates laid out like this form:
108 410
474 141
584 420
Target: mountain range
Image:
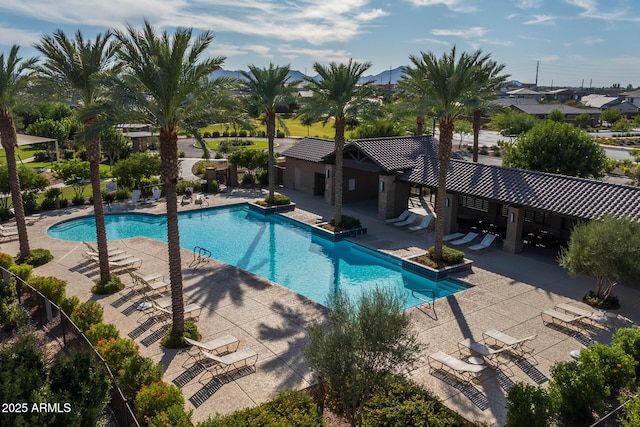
384 77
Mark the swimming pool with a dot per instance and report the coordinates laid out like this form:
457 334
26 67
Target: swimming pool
274 247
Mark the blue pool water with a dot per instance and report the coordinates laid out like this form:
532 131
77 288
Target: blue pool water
274 247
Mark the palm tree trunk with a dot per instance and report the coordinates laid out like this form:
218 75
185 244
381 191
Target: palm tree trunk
338 176
93 155
169 172
444 154
271 133
420 125
477 115
9 142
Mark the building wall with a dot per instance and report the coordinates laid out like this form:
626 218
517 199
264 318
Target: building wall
365 188
300 174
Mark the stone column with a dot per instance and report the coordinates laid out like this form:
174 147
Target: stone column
328 184
515 222
451 214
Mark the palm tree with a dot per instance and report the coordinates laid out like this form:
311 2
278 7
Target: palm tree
480 101
15 75
166 75
269 88
78 66
337 94
448 84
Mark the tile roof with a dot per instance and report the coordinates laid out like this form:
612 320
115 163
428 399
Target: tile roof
563 195
310 149
394 153
547 108
599 101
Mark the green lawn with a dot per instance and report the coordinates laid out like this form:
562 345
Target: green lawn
257 144
295 129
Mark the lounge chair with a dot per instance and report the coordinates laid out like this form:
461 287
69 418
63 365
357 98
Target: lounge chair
6 234
402 217
518 345
245 358
490 354
466 239
554 317
410 220
577 311
155 195
150 283
219 346
452 236
191 311
454 366
91 251
126 263
29 219
135 196
423 224
484 244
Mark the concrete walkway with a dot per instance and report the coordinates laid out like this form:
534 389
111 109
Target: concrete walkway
508 293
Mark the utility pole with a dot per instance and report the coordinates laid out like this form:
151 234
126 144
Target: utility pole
537 68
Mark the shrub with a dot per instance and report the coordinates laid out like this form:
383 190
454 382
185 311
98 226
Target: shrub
279 134
181 154
51 287
29 202
48 204
174 416
628 339
617 367
78 201
577 391
115 351
190 331
69 304
450 256
39 156
347 222
215 134
111 287
39 257
86 314
122 194
23 271
101 331
8 304
64 203
156 398
610 303
137 371
399 402
206 134
528 405
242 134
213 187
288 408
247 179
263 177
80 379
631 415
6 261
68 154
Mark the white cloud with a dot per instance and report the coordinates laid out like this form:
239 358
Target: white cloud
466 33
505 43
371 15
549 58
613 13
511 16
541 19
17 36
455 5
592 42
528 4
317 55
433 41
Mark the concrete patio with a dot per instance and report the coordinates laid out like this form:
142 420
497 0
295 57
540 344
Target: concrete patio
508 293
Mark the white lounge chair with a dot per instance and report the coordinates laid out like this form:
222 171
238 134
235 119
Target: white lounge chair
155 195
219 346
126 263
402 217
191 311
488 353
553 317
466 239
135 196
454 366
484 244
501 339
29 219
150 283
244 358
423 224
8 233
452 236
589 314
410 220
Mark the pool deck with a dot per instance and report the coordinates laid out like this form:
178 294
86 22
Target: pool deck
509 292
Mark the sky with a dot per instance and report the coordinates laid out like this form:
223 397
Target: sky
589 43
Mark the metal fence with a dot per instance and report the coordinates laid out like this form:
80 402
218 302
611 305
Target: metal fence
56 322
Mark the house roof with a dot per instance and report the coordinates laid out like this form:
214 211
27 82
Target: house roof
631 94
392 153
523 91
557 91
310 149
564 195
599 101
543 109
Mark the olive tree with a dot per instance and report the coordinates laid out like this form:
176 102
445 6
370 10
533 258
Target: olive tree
132 170
610 115
358 345
606 249
557 148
